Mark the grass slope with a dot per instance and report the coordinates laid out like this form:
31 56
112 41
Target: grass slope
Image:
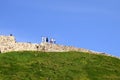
58 66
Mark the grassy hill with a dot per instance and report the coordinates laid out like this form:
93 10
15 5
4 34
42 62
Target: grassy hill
30 65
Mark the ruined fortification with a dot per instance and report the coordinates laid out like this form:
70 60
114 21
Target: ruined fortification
8 43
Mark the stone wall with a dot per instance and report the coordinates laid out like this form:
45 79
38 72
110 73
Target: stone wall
8 43
7 39
48 47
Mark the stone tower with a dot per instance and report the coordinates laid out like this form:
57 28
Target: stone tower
6 42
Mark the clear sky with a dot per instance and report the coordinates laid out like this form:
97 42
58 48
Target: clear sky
91 24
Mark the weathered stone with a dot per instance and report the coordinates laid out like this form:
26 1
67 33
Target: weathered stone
8 43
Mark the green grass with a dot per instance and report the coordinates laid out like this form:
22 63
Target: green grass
30 65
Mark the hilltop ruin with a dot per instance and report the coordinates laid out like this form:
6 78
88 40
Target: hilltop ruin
8 43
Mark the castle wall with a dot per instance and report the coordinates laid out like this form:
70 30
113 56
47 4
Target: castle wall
48 47
7 39
24 46
18 47
8 43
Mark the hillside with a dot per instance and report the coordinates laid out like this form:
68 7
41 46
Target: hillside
30 65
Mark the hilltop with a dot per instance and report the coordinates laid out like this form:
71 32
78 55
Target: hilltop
9 43
35 65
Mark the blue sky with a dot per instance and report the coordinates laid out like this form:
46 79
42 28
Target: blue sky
91 24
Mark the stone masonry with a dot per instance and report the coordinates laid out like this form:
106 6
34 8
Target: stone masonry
8 43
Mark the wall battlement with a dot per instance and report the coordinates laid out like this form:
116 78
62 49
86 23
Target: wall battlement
8 43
